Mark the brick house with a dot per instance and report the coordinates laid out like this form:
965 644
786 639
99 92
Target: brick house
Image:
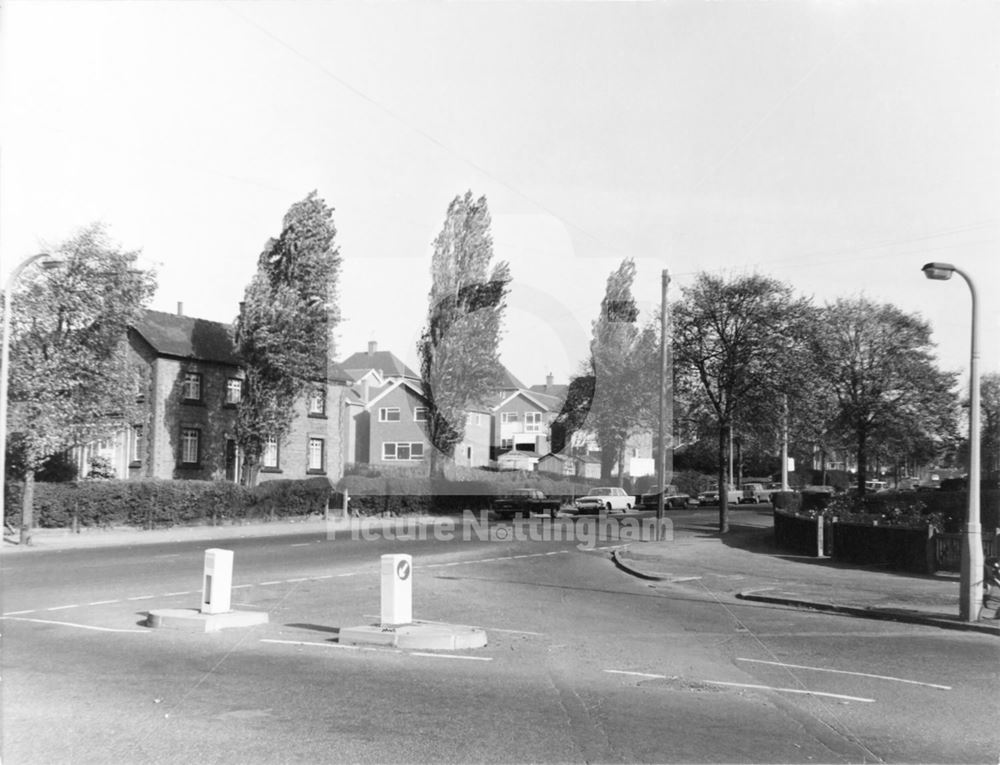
521 422
193 384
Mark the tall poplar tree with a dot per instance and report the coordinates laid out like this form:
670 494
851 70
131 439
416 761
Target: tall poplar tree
459 348
72 377
624 362
284 332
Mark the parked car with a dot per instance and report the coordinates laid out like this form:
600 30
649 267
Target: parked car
610 498
672 497
711 497
525 502
754 493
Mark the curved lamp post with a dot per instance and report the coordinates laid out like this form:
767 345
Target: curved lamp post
48 261
971 595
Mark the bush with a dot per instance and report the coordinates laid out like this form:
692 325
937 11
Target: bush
154 502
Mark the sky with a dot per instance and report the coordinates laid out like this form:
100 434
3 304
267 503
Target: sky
835 146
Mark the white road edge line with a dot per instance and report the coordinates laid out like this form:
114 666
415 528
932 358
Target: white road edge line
846 672
73 624
748 685
18 613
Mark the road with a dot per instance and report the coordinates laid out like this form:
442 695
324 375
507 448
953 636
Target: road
584 663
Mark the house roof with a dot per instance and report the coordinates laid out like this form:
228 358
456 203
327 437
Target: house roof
556 391
386 362
534 398
518 453
559 457
507 381
187 337
414 387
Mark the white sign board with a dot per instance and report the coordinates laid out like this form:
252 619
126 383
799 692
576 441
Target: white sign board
397 589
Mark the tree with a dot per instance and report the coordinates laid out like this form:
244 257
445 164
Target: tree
624 362
573 415
284 332
889 395
459 356
737 343
72 377
989 394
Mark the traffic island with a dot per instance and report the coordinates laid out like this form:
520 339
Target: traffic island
193 620
215 612
416 636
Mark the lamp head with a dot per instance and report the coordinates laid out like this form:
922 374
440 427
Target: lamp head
939 271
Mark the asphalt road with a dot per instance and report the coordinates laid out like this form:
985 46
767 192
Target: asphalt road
584 663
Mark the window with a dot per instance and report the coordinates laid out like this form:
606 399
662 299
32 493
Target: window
506 443
190 446
533 422
234 391
316 455
402 450
191 387
388 414
508 417
269 455
420 414
317 401
135 445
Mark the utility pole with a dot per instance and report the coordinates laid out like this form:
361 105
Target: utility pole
666 406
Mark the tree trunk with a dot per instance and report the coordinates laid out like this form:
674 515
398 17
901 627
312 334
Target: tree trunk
28 507
862 462
723 478
621 465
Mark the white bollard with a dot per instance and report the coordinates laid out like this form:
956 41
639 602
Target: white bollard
218 581
397 590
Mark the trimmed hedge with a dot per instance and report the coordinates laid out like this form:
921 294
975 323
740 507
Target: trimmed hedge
153 502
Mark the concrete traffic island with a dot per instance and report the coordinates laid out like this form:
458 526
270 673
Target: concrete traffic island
398 628
215 612
416 636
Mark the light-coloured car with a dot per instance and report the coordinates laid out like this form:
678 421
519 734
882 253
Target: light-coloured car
712 497
610 498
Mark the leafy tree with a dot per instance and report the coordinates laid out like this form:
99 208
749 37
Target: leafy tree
738 343
459 357
285 327
573 416
989 394
876 361
625 363
72 378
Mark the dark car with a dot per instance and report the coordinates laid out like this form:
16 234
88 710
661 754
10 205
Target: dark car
673 497
525 502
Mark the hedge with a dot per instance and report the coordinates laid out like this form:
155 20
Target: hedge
153 502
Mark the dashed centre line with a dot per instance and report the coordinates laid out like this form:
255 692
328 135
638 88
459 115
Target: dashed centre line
751 686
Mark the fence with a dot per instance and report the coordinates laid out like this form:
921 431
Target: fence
948 549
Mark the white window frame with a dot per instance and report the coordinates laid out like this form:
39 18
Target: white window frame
234 390
317 401
135 444
385 412
532 422
190 440
316 462
507 417
270 454
417 411
191 382
392 451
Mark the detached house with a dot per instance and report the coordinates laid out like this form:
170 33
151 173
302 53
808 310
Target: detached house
387 415
193 385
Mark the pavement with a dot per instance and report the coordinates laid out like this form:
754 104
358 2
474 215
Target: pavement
741 565
746 565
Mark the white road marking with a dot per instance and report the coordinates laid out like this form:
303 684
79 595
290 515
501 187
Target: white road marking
845 672
748 685
451 656
239 586
73 624
104 602
331 645
63 608
142 597
325 576
301 579
171 594
265 584
350 574
301 544
17 613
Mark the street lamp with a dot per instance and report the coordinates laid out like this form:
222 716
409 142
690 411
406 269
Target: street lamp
971 596
48 261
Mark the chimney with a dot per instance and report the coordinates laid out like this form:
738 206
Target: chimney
549 379
372 347
180 308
